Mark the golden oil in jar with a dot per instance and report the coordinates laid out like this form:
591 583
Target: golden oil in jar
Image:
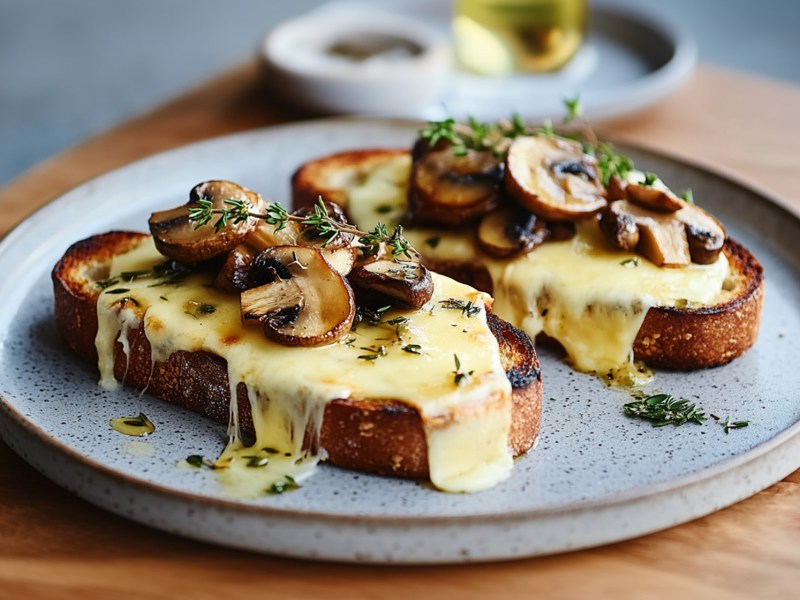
499 37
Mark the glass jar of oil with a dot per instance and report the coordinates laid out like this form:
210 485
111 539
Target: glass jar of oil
499 37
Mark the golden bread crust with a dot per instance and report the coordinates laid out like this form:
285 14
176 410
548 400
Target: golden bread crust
329 176
707 336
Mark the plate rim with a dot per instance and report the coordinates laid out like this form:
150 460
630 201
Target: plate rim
29 428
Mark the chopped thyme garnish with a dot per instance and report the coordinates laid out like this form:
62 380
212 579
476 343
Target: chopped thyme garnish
255 461
467 308
630 262
399 324
649 179
611 163
688 195
131 275
106 283
433 241
727 424
664 409
140 421
574 109
412 348
475 135
383 209
118 291
287 484
198 309
368 316
460 376
196 460
375 352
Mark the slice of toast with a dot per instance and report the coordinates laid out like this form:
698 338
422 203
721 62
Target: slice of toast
377 435
684 337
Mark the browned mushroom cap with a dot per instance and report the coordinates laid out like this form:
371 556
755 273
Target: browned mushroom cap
653 194
306 302
510 231
403 284
667 239
234 274
554 178
339 250
178 237
448 189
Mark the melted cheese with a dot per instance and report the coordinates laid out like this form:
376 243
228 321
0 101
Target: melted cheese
588 297
466 425
380 195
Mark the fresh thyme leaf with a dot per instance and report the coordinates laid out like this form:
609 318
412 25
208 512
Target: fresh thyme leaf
460 376
106 283
412 348
574 109
206 309
375 352
255 461
610 162
664 409
649 179
688 195
433 241
728 424
287 484
440 130
630 262
131 275
383 209
171 271
196 460
118 291
467 308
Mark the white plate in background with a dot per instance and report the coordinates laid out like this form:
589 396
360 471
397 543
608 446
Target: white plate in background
629 60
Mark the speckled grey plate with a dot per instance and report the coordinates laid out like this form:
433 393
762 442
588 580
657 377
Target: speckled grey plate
596 476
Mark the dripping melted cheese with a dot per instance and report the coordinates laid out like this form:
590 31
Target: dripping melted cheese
590 298
466 425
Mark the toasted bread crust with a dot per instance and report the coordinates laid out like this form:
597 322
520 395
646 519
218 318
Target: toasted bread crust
329 176
670 338
384 437
707 336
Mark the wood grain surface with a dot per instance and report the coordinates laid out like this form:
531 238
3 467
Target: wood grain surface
54 545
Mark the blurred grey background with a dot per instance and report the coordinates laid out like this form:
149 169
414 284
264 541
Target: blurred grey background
69 69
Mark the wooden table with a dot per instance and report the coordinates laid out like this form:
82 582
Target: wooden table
53 544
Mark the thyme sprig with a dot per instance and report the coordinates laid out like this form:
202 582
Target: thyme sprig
477 136
664 409
319 221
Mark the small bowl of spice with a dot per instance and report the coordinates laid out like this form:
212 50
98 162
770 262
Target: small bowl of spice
371 63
